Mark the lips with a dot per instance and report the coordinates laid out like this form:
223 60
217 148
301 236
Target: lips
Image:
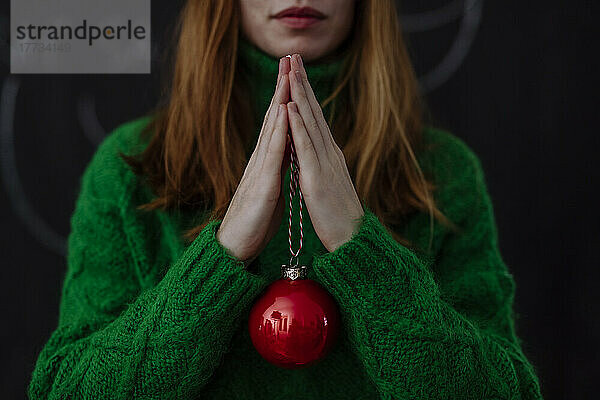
300 12
299 17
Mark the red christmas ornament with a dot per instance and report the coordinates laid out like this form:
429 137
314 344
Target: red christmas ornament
296 321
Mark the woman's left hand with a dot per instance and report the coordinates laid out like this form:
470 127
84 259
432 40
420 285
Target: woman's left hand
328 191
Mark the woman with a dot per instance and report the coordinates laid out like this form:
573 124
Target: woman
179 224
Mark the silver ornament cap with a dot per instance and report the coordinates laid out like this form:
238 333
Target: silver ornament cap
293 272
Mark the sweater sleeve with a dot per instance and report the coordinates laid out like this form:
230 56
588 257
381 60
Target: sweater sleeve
115 340
432 329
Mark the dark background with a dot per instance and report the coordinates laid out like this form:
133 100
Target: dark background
514 79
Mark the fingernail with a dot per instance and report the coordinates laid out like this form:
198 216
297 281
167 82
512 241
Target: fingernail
281 64
300 61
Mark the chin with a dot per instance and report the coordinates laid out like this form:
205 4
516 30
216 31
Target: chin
308 51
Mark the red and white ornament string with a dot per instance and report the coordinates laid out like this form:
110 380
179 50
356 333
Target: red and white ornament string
294 187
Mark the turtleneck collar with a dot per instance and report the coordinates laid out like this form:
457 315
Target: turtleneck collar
262 69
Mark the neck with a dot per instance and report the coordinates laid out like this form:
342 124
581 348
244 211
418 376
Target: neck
262 68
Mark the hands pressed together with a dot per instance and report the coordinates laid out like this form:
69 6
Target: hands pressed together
256 209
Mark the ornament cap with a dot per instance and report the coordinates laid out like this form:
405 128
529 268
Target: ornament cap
293 272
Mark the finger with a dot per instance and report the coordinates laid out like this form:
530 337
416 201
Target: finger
286 157
270 108
305 151
268 115
276 148
315 106
267 131
298 94
280 96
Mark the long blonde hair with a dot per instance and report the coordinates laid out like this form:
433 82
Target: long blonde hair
196 155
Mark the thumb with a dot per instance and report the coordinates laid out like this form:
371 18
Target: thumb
275 220
286 157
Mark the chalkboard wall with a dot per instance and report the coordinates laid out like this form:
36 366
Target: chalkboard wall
512 79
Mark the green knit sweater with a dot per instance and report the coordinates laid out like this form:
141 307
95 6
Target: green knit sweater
144 316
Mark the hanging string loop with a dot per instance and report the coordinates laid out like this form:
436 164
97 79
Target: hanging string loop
294 188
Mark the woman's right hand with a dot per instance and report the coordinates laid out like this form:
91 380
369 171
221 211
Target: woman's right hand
256 209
